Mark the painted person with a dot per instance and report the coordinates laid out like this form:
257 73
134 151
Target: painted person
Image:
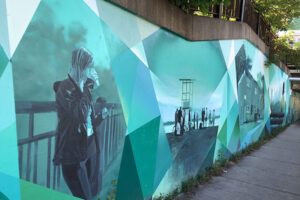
213 117
179 115
209 118
176 120
206 116
101 112
182 128
203 117
76 143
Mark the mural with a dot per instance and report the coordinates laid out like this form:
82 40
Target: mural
280 94
71 126
189 99
99 107
251 86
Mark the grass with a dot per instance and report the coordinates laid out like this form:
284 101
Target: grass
220 165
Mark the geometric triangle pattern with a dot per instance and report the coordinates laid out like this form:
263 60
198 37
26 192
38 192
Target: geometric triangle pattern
9 166
169 107
3 60
146 160
4 40
128 175
19 16
33 191
163 156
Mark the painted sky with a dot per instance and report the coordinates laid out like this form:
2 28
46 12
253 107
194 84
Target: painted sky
44 53
172 58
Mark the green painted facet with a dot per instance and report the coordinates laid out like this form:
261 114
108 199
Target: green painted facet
30 191
129 187
222 135
3 197
231 120
234 138
144 143
163 157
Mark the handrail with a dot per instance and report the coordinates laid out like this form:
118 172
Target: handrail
36 138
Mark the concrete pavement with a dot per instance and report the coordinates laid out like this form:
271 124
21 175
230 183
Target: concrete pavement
272 172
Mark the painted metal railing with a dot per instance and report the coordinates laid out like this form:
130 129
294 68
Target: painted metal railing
113 133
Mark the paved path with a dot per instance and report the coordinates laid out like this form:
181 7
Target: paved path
272 172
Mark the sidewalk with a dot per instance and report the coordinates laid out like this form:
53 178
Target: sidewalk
272 172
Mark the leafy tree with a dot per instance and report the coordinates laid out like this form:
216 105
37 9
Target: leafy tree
279 13
201 5
281 50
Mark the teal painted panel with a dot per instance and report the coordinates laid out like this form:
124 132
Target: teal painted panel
3 60
129 186
169 105
144 106
144 142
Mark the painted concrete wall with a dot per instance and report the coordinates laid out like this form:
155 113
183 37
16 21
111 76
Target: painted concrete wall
149 142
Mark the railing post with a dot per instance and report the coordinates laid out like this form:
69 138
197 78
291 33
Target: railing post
221 10
243 10
111 135
103 150
35 162
54 178
258 24
107 140
49 162
119 129
20 159
30 133
58 176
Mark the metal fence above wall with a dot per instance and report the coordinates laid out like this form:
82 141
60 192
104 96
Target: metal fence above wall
244 10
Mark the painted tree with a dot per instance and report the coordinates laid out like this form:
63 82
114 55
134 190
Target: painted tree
243 63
